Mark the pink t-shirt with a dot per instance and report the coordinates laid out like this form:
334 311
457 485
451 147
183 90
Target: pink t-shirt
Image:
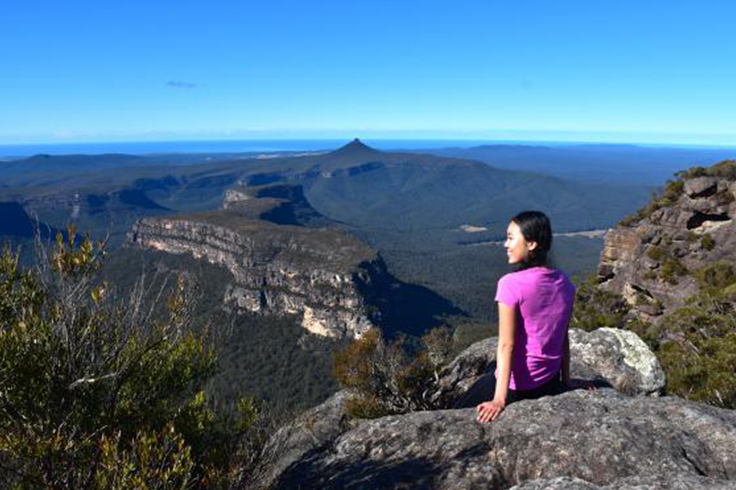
544 299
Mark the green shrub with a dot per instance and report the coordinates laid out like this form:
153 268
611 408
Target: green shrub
719 275
692 172
672 192
725 169
140 465
672 270
595 307
388 378
98 391
702 369
632 219
655 253
667 197
699 355
707 242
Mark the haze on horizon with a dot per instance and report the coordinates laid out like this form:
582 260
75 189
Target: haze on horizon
636 72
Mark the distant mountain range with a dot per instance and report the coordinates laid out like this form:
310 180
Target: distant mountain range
622 164
355 184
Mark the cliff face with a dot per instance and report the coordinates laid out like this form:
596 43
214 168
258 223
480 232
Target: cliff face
318 273
657 258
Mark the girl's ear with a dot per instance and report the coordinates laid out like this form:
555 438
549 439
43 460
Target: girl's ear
531 245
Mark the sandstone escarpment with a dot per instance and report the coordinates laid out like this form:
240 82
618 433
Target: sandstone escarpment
318 273
656 258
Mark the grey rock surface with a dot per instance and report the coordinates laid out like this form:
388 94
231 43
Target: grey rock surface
701 187
312 430
603 438
678 482
618 357
466 368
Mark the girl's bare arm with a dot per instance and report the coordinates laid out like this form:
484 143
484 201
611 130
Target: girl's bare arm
506 337
489 411
566 360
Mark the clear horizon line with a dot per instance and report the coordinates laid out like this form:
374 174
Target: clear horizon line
449 138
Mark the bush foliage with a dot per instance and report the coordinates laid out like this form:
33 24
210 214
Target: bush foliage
595 307
699 355
101 392
666 198
388 378
725 169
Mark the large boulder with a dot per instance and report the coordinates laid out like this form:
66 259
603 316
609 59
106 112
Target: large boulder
465 369
700 187
617 357
600 439
613 357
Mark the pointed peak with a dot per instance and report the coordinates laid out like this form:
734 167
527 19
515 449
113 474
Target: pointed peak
355 146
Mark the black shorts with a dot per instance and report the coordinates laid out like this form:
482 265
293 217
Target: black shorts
484 389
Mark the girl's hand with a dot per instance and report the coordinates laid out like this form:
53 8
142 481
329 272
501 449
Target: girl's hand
489 411
581 384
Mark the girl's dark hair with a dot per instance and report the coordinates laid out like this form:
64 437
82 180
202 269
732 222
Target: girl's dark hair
535 227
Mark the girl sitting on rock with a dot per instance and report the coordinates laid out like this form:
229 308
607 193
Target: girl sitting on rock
534 308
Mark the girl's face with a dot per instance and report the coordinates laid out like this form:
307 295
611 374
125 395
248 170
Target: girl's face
517 248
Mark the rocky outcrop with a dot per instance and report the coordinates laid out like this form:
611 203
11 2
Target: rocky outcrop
652 258
603 438
442 449
277 269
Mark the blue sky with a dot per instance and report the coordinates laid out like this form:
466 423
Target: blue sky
630 71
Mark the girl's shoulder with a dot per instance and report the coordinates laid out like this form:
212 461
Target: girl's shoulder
536 274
